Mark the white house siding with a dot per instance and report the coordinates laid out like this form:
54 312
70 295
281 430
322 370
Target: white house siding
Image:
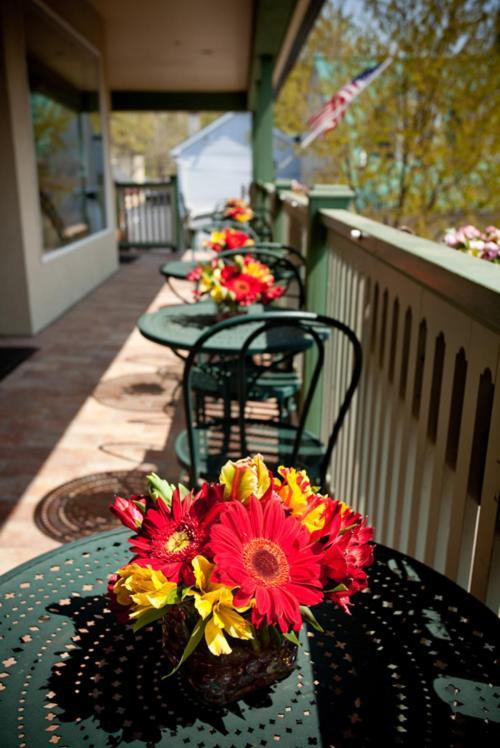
216 162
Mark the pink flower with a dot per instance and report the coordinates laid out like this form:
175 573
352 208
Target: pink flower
195 274
130 511
450 238
491 251
471 232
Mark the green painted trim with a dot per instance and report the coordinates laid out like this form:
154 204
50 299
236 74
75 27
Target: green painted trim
271 21
178 230
321 197
262 126
170 101
281 185
312 12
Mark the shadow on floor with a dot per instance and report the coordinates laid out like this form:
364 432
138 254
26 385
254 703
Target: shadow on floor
40 399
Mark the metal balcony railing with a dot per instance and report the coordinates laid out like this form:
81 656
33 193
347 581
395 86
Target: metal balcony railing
146 214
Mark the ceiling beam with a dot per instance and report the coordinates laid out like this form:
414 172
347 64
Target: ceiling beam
305 14
178 101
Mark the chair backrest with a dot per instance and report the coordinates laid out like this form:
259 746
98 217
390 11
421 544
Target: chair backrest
284 249
285 271
311 331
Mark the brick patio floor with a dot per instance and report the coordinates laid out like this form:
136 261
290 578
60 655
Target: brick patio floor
52 427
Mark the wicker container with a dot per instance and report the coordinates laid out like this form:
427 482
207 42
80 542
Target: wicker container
219 680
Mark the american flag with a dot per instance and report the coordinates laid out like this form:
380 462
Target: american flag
332 112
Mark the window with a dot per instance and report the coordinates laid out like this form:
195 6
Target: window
67 131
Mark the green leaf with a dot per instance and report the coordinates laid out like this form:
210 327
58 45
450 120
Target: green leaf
292 637
349 527
140 506
193 642
160 489
183 491
338 588
311 618
147 618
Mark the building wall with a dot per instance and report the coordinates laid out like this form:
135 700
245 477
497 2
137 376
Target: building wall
15 316
217 162
42 285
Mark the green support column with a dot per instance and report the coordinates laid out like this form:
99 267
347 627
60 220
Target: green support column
176 214
281 185
321 197
262 126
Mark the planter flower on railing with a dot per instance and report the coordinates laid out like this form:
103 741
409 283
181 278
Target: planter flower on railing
483 244
225 238
232 570
241 282
238 210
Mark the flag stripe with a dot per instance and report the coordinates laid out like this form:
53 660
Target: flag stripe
331 113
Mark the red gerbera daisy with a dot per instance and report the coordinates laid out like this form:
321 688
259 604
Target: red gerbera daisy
170 538
246 288
268 555
236 239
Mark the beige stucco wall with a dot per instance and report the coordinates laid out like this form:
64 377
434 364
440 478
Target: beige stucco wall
42 285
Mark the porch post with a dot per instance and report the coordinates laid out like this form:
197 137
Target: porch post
281 185
262 126
177 232
321 197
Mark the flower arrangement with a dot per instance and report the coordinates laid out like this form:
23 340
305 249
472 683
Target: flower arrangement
241 282
226 238
471 240
238 561
238 210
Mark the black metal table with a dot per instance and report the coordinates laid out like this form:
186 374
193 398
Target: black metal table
178 326
415 665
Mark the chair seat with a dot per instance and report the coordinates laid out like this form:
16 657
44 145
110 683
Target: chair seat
274 383
217 442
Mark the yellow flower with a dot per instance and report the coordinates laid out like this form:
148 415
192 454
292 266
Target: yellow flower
298 495
296 490
217 237
259 270
244 478
143 589
215 602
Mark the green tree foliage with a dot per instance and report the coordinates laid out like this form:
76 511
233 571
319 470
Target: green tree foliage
149 134
420 145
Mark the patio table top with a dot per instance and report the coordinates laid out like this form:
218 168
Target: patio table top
180 325
178 269
415 665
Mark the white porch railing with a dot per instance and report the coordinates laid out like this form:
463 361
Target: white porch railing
420 451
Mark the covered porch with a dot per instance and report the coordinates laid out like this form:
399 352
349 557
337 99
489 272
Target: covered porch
419 452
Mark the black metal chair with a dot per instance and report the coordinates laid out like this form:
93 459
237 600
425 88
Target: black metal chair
207 443
281 381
